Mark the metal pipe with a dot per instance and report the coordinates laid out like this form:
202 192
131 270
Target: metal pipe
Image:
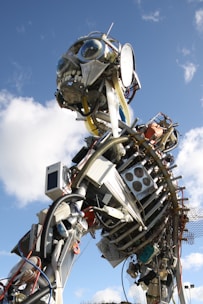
104 147
35 297
159 216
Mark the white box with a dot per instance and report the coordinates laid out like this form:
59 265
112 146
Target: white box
54 183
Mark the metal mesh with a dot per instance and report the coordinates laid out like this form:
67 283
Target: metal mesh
195 225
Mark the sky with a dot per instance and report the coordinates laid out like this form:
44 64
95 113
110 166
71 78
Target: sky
167 38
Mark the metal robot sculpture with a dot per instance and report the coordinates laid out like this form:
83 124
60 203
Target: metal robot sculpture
121 183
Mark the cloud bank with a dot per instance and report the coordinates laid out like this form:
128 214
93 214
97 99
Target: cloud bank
192 261
190 165
32 137
108 295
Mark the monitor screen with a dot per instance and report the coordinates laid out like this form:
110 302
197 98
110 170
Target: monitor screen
52 181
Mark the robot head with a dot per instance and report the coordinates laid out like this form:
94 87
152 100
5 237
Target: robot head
83 69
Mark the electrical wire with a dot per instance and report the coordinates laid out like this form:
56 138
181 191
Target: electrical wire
11 281
122 282
104 224
37 276
40 271
25 259
82 252
6 288
49 217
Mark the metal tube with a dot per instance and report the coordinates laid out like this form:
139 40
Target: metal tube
106 146
35 297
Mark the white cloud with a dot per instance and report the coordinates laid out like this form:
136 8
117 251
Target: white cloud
108 295
137 293
190 165
33 136
192 261
189 71
115 295
196 293
199 20
154 17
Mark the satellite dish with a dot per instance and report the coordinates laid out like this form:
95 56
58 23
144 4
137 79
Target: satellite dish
127 64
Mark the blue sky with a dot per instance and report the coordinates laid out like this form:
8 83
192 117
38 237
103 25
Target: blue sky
167 38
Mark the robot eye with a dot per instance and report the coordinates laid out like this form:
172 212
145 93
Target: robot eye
91 49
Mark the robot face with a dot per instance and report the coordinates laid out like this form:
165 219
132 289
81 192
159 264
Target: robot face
88 51
92 59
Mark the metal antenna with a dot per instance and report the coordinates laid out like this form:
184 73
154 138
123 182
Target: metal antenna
109 29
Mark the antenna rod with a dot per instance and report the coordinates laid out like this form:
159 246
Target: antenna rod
109 29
